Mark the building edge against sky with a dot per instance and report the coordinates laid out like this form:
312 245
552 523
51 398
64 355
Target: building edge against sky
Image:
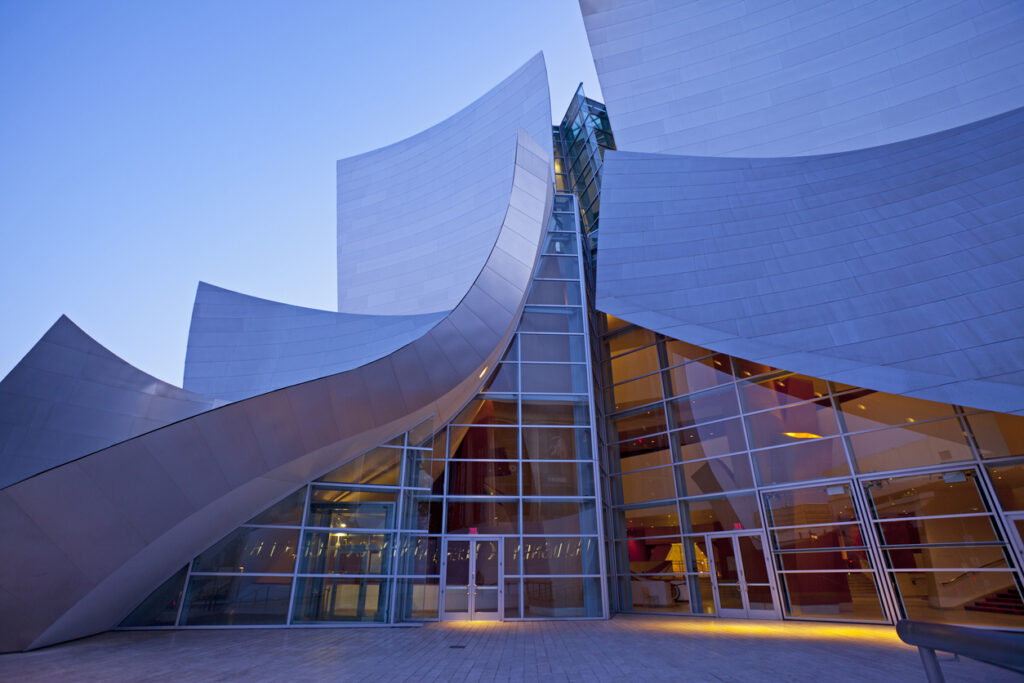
520 453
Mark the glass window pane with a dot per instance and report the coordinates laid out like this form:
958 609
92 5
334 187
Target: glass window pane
423 473
716 475
963 598
666 593
419 555
703 407
655 555
487 517
707 440
484 443
722 514
938 530
344 553
422 512
998 435
680 352
417 599
701 374
251 549
560 555
918 445
544 319
556 443
565 267
555 410
343 508
863 409
555 348
629 340
662 520
947 493
637 393
638 423
810 505
379 466
650 451
746 368
612 323
553 293
504 380
561 598
555 517
236 600
160 608
486 478
496 411
1008 481
555 379
947 557
558 479
287 512
564 203
814 459
648 485
840 536
780 390
842 595
628 366
330 600
792 425
560 244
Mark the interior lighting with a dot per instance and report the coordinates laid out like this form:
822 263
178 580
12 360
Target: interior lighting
802 435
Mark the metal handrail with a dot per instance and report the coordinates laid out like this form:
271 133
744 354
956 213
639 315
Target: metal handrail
998 648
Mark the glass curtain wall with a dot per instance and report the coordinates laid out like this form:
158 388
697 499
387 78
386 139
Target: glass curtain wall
867 506
366 542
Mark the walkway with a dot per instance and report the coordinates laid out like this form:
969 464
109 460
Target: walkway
627 648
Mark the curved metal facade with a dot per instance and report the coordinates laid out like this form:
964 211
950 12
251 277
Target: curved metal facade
70 396
895 268
417 219
240 345
787 78
149 504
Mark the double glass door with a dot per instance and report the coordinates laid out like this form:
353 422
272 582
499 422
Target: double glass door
473 578
742 582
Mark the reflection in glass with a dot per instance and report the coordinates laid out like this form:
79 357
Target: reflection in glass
236 600
639 423
352 509
708 440
553 293
379 466
561 598
810 505
728 473
700 374
556 443
945 493
703 407
562 267
843 595
487 517
560 555
493 410
555 379
998 435
558 479
780 390
677 352
419 555
864 409
160 608
918 445
637 392
662 520
417 599
556 517
1008 481
812 459
629 340
251 549
335 599
483 478
553 348
648 485
794 424
484 443
665 593
504 380
344 553
287 512
973 598
548 319
650 451
634 364
555 410
722 514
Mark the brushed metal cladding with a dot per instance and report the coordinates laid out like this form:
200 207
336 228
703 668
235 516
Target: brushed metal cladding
146 506
240 345
70 396
767 78
417 219
896 268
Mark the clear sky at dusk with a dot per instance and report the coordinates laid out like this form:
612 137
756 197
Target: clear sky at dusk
150 145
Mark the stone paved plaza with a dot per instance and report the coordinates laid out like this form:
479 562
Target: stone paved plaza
626 648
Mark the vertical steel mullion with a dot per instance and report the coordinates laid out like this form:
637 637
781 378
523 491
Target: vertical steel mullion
887 594
392 576
303 523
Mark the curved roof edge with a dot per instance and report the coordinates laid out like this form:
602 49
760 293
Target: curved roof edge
153 502
70 396
417 218
240 345
894 268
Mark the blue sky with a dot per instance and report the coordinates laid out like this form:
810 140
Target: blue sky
150 145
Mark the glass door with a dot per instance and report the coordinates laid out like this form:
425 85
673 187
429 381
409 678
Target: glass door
473 578
740 576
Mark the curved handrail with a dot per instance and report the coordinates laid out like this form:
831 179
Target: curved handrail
998 648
